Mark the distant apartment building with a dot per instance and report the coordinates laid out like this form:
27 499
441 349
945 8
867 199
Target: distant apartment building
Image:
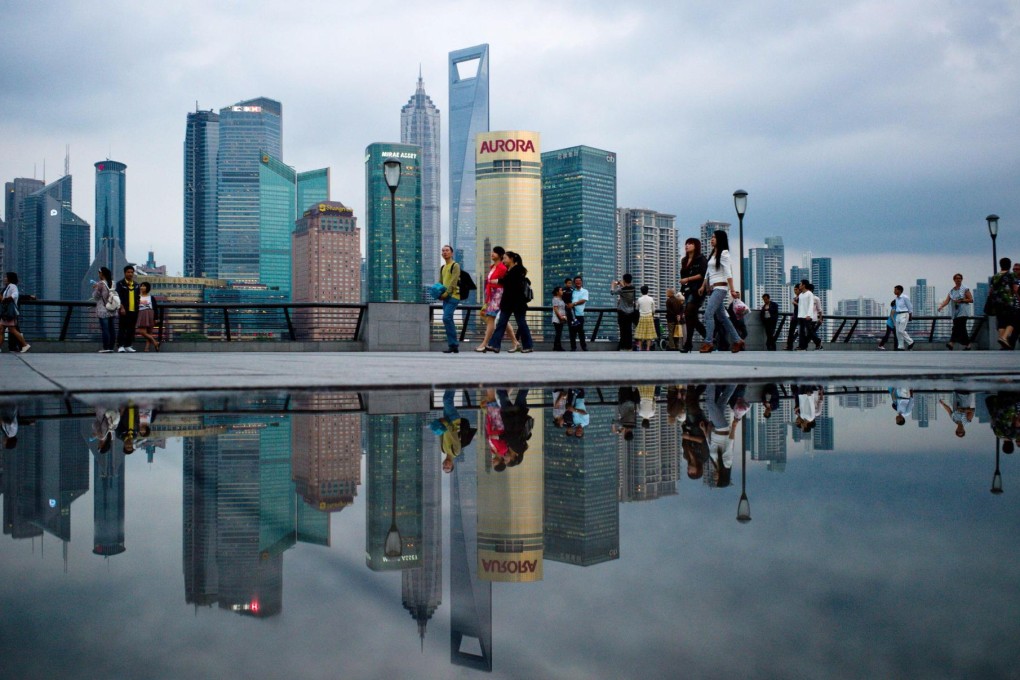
766 274
705 231
649 250
922 296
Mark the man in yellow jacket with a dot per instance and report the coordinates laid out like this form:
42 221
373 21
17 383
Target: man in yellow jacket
449 276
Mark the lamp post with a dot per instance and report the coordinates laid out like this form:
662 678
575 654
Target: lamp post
993 231
744 506
997 477
740 203
394 544
391 172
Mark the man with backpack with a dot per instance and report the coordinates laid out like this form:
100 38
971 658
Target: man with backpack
449 276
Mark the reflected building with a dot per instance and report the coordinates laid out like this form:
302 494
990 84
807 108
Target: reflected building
649 464
395 492
582 515
470 595
422 587
469 116
326 450
926 408
108 501
766 438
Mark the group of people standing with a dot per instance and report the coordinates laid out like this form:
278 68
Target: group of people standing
131 303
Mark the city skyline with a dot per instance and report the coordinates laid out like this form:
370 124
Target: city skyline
840 150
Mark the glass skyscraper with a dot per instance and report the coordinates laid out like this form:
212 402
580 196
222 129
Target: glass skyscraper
312 188
394 468
378 240
419 126
767 274
201 145
277 213
111 194
53 244
249 130
579 219
15 194
469 115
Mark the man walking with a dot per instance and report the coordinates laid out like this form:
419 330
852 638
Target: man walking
577 303
904 312
449 276
128 292
794 323
769 318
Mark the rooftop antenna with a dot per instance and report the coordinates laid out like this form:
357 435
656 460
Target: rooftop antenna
196 106
67 160
44 171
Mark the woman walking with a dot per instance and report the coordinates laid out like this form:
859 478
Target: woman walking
9 311
718 279
493 296
146 316
692 276
513 304
963 306
646 320
101 292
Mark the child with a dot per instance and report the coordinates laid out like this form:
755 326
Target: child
645 333
146 316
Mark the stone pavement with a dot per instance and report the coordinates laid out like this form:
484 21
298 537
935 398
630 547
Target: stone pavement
196 371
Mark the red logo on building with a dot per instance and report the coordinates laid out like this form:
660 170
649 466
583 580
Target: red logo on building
507 146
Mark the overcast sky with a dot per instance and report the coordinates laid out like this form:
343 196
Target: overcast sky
878 133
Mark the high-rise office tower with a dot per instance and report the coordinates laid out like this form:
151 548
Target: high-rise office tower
821 277
650 250
326 267
508 186
3 238
579 219
469 116
15 193
766 274
705 231
111 200
419 126
378 229
922 296
393 518
201 147
248 132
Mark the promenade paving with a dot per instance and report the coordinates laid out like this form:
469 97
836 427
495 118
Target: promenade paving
197 371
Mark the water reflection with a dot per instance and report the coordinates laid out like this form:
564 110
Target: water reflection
533 477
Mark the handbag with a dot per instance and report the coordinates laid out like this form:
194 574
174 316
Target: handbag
113 300
8 311
678 331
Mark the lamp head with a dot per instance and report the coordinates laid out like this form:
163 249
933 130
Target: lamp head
993 225
740 202
744 509
391 171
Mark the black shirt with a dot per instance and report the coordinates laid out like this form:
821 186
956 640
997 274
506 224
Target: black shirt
699 266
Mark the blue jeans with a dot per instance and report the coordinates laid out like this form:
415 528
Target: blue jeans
715 311
449 409
523 332
109 335
450 304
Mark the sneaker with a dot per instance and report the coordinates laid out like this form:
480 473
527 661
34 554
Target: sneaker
105 351
515 348
451 350
26 348
130 349
121 349
881 347
910 347
527 351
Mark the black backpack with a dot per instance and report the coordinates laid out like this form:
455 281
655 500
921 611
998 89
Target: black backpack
466 284
529 294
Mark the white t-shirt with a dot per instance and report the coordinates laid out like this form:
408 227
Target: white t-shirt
11 291
806 306
722 272
646 305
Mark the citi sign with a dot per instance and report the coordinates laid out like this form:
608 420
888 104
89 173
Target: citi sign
512 567
507 146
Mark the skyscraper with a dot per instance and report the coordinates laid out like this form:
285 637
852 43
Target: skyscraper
326 266
766 274
579 218
15 193
378 238
248 131
111 199
419 126
326 450
469 115
821 277
922 296
201 147
705 231
508 181
650 250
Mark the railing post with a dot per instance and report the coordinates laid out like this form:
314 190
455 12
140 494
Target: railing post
931 334
835 336
357 325
226 322
160 321
67 322
850 333
290 326
464 325
595 331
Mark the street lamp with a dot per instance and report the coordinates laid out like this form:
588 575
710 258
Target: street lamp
740 203
993 231
997 477
391 171
393 547
744 506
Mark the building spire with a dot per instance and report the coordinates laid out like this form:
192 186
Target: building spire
421 83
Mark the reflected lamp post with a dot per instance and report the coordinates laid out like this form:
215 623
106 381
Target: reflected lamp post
744 506
391 172
740 203
993 231
997 477
394 544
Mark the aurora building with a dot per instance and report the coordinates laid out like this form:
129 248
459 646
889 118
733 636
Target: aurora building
508 177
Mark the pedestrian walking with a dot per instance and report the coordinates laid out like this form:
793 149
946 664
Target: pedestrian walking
147 316
692 276
512 304
449 276
962 301
904 312
675 318
769 318
1001 300
646 325
128 292
493 296
578 299
623 290
9 311
102 293
809 315
719 279
794 332
559 317
890 327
